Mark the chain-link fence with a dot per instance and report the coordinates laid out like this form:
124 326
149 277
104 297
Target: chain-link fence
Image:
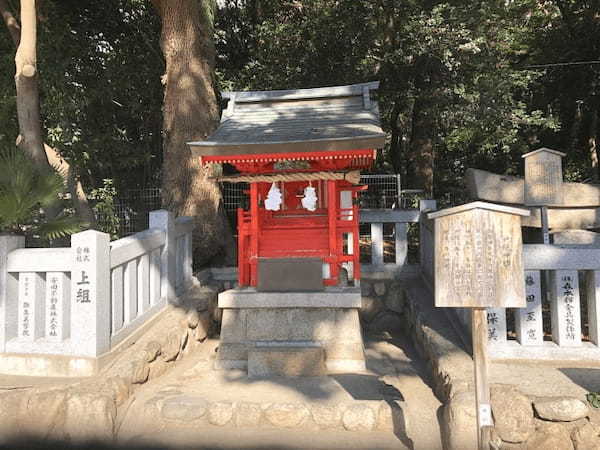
132 206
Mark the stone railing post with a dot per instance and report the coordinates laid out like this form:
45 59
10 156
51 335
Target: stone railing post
90 293
8 289
426 240
165 221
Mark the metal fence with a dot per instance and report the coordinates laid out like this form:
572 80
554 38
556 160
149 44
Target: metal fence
132 208
384 192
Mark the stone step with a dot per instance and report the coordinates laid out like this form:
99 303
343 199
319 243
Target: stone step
291 361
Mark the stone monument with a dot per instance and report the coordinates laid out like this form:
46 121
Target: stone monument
543 178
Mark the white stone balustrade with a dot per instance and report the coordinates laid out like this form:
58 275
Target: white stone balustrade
376 218
84 300
553 272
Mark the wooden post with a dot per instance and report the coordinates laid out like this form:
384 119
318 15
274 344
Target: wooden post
478 264
545 227
332 210
480 358
253 234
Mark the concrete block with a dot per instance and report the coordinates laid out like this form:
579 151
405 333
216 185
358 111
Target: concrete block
233 325
286 361
232 356
347 326
344 350
332 297
267 325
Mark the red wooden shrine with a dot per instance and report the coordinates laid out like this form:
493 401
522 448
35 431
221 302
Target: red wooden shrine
329 229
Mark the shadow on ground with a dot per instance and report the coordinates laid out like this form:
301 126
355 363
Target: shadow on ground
587 378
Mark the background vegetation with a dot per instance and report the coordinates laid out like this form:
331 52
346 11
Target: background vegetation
463 83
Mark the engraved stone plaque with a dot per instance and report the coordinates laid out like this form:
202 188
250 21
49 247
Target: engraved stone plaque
543 178
478 256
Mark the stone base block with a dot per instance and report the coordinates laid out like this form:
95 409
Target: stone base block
47 365
286 361
346 365
291 334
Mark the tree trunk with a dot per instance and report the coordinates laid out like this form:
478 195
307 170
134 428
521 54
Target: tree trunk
592 141
28 99
420 157
29 112
396 137
190 113
80 202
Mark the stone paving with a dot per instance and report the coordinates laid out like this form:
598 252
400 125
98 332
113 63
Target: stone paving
194 396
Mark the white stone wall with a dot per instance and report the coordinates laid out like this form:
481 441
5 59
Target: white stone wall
83 300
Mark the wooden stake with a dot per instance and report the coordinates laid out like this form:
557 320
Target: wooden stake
480 358
545 227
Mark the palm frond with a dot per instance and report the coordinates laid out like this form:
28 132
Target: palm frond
25 190
59 227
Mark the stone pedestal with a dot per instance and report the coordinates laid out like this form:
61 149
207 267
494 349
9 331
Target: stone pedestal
291 333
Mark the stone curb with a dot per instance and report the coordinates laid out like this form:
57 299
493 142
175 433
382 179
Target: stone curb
192 410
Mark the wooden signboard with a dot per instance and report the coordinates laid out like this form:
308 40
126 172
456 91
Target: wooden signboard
479 264
478 256
543 178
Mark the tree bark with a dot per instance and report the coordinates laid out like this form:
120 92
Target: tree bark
190 112
30 109
80 202
420 158
592 141
28 99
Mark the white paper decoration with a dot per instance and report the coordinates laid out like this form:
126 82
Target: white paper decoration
309 201
273 201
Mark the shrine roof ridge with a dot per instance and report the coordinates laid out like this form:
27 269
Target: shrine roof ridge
296 94
544 150
479 205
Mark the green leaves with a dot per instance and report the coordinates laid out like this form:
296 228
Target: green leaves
594 399
26 192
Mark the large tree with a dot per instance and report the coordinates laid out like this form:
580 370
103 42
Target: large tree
30 139
191 112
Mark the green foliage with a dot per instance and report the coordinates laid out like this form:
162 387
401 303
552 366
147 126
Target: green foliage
100 93
594 399
471 68
460 59
104 208
25 193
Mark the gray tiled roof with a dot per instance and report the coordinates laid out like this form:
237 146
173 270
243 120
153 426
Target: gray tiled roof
321 119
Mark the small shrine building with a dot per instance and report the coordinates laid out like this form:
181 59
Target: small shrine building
301 152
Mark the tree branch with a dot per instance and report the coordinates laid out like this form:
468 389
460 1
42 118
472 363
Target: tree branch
11 23
26 58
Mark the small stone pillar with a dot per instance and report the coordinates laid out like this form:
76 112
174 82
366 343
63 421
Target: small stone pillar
165 221
90 293
8 289
543 178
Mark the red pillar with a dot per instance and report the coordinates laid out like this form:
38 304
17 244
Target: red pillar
332 210
253 256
